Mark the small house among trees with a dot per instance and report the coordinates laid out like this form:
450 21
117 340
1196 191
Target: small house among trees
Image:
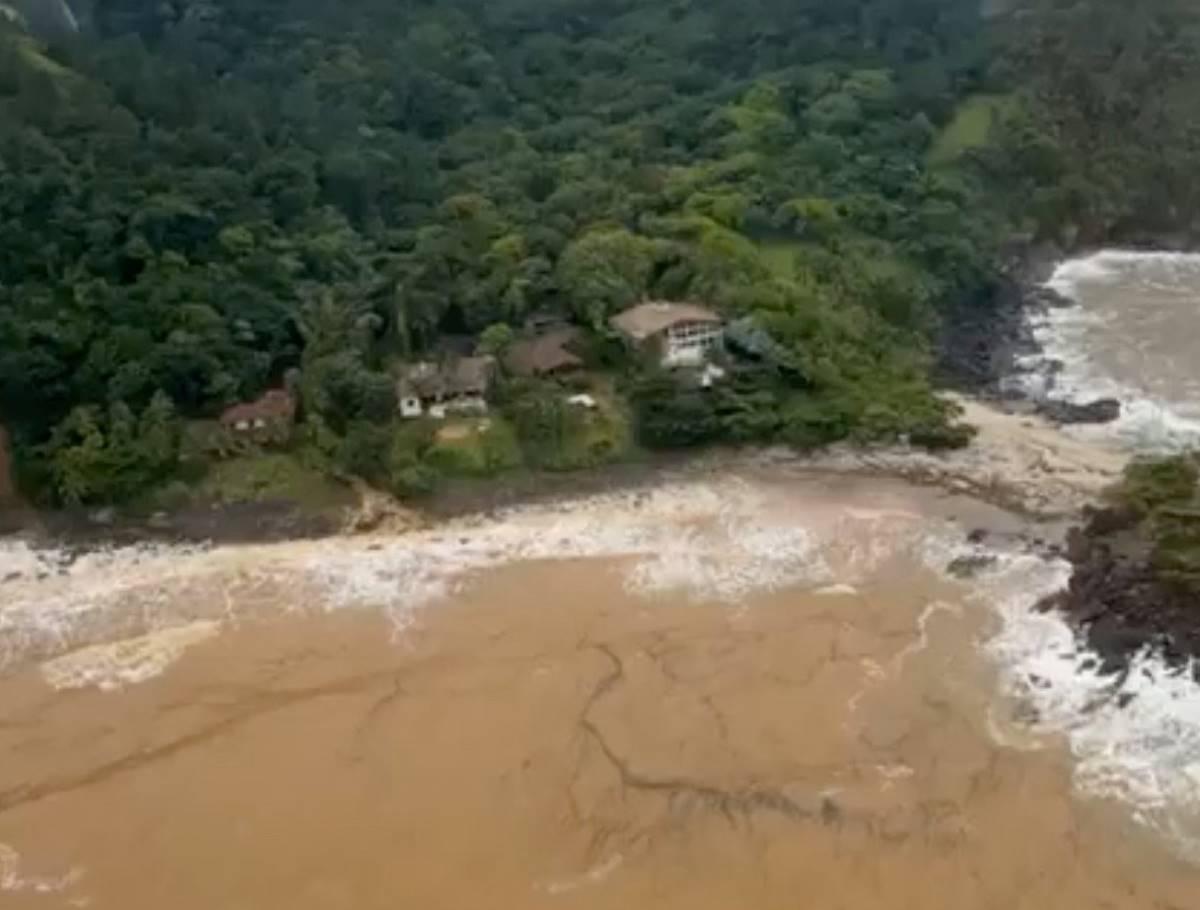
548 353
674 334
460 385
269 419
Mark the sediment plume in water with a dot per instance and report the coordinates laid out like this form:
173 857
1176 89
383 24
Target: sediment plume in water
744 692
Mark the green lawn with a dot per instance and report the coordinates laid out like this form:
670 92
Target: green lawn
269 476
970 127
475 447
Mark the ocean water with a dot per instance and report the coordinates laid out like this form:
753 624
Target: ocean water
1134 335
717 693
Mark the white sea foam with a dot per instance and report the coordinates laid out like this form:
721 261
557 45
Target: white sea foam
52 600
716 541
1135 738
14 880
594 876
711 541
114 665
1066 368
1104 265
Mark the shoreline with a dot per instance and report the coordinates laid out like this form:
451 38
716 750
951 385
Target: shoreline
1021 463
1020 460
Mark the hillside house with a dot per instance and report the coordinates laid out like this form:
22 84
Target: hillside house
545 354
458 386
268 419
675 334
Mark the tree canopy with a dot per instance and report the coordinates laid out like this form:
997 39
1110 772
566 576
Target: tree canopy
197 198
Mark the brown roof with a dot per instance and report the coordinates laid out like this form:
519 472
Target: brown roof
276 404
422 380
545 353
647 319
459 377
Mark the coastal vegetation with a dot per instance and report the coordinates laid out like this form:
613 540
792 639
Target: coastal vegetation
1137 564
204 201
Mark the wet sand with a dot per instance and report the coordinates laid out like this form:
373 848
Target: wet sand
547 735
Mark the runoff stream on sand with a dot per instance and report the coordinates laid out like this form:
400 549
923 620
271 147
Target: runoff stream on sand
759 690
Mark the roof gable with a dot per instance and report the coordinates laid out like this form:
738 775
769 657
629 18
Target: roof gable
651 318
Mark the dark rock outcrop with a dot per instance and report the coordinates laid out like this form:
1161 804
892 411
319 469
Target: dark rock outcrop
969 566
1102 410
982 338
1123 605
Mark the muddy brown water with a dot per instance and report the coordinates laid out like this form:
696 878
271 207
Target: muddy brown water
546 736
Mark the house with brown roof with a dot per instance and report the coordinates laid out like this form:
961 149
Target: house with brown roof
268 419
460 385
548 353
675 334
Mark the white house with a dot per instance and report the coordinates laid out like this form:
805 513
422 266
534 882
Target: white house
677 334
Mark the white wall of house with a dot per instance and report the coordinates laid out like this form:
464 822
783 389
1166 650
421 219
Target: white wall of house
691 343
466 404
412 407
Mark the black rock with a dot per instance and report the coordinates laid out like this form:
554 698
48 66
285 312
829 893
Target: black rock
970 566
1102 410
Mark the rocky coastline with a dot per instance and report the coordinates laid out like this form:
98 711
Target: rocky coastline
984 345
1133 589
1135 584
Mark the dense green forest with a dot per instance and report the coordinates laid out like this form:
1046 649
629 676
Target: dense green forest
203 200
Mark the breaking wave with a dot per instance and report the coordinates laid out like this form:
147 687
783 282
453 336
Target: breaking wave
1067 368
1134 738
117 614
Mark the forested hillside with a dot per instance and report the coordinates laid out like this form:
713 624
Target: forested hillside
1107 141
203 200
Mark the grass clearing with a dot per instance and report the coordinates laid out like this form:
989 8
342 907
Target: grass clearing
270 476
475 448
970 127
